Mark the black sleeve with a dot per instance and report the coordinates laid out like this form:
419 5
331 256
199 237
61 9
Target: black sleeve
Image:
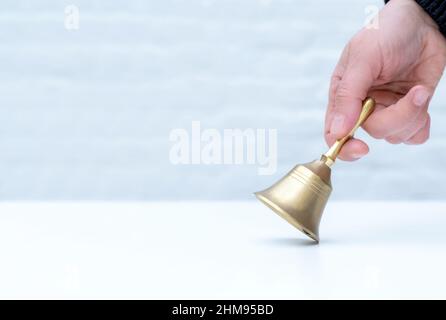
436 9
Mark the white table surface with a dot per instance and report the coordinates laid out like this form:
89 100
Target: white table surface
213 250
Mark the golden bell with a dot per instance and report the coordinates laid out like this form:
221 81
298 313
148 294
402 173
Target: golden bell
300 196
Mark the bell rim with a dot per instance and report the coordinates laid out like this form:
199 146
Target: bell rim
285 215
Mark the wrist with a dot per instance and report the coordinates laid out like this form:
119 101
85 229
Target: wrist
432 12
436 10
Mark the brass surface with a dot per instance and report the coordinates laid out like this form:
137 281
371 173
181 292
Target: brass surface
331 155
301 195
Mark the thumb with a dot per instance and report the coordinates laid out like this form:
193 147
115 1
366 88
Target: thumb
350 93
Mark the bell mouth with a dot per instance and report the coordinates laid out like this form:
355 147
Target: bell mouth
282 213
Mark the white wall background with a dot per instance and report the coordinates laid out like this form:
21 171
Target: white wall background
87 114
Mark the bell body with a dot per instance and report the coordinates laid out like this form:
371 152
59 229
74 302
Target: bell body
300 196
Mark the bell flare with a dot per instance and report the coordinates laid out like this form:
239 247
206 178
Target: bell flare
300 196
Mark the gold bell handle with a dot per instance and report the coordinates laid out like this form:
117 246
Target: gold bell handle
330 156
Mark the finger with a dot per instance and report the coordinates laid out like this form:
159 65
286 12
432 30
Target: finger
357 70
388 121
353 149
421 136
362 69
410 130
351 91
334 82
384 98
355 78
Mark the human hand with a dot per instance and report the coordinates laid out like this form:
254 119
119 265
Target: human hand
399 65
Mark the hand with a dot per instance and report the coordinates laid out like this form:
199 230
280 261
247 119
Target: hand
399 65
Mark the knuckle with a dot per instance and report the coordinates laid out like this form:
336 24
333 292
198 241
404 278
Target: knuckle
335 78
393 140
334 83
343 90
421 121
342 96
424 138
420 138
415 141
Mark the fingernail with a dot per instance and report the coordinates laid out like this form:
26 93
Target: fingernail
420 98
337 124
